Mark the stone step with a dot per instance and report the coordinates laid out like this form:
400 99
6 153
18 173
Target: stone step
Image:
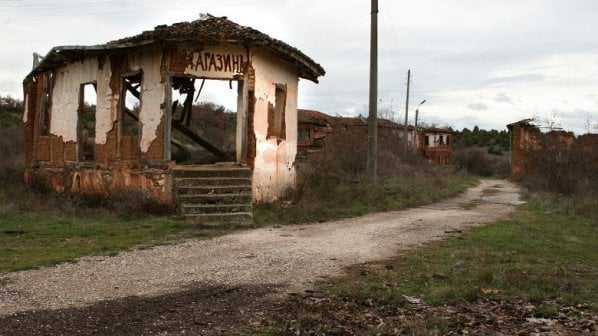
212 172
203 190
211 181
222 218
215 194
193 209
242 198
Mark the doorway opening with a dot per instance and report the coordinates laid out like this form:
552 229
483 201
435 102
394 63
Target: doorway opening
204 116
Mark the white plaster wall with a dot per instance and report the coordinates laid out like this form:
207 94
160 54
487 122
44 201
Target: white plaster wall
65 99
107 104
434 139
152 93
274 169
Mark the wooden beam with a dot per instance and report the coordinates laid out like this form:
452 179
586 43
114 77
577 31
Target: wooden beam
200 140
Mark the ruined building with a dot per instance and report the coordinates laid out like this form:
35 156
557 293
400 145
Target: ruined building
317 130
436 144
532 150
142 89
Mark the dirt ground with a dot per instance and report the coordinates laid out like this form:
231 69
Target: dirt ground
243 280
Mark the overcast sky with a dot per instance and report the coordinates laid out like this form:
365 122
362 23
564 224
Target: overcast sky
475 62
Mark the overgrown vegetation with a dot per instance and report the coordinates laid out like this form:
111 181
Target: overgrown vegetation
475 161
332 184
535 264
567 175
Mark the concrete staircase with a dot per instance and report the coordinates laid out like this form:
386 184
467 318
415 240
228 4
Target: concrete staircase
214 194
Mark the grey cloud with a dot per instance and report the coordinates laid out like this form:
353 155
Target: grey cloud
503 98
516 79
477 106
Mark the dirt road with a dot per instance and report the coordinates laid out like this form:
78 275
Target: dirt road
267 262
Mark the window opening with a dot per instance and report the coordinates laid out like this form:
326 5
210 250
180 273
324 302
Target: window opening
276 113
132 105
129 116
87 122
203 120
427 140
441 140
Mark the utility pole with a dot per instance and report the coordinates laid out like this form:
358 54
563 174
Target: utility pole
406 114
415 142
372 159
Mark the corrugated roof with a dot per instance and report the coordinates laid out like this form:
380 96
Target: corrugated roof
209 29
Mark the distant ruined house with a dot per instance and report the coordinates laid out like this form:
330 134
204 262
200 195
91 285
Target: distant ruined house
436 144
317 129
142 89
531 148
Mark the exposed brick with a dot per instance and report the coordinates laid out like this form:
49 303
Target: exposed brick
44 149
70 151
156 149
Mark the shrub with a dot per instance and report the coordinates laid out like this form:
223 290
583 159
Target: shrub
495 150
475 161
569 173
564 170
11 152
472 161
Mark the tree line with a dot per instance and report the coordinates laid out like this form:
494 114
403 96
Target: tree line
495 141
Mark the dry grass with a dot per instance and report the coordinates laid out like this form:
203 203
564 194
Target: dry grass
332 184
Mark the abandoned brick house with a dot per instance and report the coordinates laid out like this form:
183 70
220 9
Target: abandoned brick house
317 130
143 88
529 146
436 144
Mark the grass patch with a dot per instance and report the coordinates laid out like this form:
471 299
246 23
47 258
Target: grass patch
534 255
32 239
359 198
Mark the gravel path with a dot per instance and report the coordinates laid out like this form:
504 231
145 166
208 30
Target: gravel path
288 258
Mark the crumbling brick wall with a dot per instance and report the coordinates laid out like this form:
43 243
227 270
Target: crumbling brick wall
531 148
117 162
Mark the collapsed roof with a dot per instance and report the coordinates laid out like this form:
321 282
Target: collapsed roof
208 28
